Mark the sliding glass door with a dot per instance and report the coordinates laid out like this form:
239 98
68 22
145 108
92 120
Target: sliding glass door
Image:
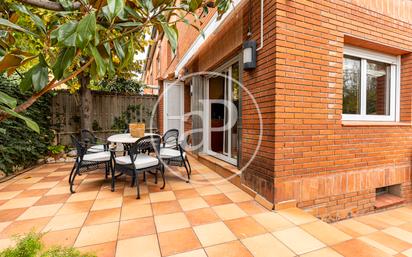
223 96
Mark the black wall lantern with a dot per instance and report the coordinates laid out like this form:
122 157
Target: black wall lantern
249 55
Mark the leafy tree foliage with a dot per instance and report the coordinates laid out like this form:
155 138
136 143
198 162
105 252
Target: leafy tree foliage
120 85
20 146
52 42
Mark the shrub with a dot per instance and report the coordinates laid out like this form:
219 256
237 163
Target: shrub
31 245
21 147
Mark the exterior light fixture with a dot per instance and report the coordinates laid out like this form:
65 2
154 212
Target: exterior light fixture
249 55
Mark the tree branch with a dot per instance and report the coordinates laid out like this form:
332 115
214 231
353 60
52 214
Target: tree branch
52 84
49 5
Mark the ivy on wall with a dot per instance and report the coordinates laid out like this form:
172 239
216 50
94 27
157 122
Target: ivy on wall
20 146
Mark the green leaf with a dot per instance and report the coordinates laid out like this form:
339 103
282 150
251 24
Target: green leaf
2 131
7 23
37 77
67 4
64 60
119 49
113 8
100 63
66 34
86 30
29 122
8 100
128 24
36 19
171 34
9 61
194 5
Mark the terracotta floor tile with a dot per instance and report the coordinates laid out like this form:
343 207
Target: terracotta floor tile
134 211
9 194
24 226
189 204
166 207
272 221
324 252
97 234
107 193
136 227
354 228
195 253
202 216
178 241
109 203
145 246
75 207
407 253
40 211
355 247
53 199
390 241
230 249
377 245
251 207
61 238
227 187
67 221
186 193
15 187
58 190
373 222
101 250
298 240
245 227
162 196
266 245
32 193
4 225
213 233
325 233
297 216
103 216
44 185
83 196
399 233
207 190
217 199
6 243
170 222
19 203
28 180
239 196
229 211
11 214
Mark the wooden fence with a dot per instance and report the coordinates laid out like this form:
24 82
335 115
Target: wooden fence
109 111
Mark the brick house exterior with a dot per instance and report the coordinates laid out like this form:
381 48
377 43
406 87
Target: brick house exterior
309 152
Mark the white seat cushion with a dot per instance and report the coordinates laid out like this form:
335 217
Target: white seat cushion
97 157
167 153
141 161
96 148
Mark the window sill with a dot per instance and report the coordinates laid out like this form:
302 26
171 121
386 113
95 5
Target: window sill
347 123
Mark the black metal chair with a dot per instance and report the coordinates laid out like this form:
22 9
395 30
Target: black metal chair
139 161
86 161
173 153
93 143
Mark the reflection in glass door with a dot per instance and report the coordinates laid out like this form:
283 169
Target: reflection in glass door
224 102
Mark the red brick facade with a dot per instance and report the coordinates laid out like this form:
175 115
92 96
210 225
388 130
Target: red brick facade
308 153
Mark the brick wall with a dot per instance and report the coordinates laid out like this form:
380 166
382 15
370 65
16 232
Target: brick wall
329 167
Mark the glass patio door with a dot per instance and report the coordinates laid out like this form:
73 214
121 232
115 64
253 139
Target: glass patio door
223 94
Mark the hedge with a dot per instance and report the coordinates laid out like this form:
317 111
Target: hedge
20 147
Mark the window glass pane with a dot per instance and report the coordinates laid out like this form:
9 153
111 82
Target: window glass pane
378 88
351 85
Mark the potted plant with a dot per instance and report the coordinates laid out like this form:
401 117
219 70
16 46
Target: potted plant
56 151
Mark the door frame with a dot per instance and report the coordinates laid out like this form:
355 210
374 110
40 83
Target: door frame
207 121
182 105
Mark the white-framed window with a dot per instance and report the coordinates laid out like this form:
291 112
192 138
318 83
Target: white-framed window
371 85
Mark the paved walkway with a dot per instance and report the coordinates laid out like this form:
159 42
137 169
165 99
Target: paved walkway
208 217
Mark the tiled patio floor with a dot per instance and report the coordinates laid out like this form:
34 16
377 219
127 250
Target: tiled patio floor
208 217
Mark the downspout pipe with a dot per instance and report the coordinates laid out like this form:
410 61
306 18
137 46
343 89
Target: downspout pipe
261 25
